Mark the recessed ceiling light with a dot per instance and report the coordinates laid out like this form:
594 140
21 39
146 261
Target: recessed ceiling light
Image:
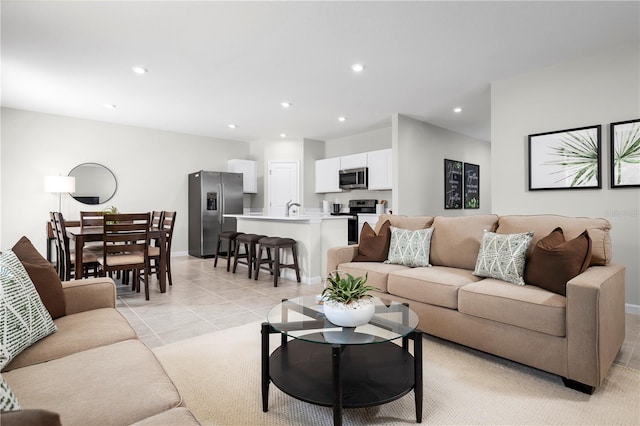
457 110
140 70
283 135
341 119
110 106
232 126
286 104
357 67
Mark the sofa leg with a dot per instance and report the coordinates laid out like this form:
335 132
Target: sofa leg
580 387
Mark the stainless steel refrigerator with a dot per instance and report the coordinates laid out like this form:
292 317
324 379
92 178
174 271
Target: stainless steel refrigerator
211 196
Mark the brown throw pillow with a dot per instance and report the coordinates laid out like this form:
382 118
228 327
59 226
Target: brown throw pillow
44 277
555 261
30 417
374 248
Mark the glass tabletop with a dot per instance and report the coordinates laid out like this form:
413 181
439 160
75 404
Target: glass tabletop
303 318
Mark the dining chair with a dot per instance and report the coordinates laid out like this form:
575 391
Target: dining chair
91 218
125 246
66 255
167 224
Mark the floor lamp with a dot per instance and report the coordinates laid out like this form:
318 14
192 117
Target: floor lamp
59 185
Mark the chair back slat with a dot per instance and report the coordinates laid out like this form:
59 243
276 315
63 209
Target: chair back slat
91 218
62 243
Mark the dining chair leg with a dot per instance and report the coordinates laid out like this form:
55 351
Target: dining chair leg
169 269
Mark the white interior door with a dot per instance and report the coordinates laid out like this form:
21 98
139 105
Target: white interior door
283 185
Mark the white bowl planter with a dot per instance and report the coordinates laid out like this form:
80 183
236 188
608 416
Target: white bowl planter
353 314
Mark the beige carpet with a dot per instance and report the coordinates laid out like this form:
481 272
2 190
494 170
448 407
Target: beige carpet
218 375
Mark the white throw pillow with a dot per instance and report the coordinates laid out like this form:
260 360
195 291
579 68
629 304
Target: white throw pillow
410 248
503 256
23 317
8 401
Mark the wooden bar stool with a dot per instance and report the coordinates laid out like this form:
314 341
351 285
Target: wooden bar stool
274 265
249 241
228 237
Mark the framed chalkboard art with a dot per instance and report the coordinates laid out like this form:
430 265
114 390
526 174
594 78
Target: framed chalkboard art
452 184
471 186
625 153
565 159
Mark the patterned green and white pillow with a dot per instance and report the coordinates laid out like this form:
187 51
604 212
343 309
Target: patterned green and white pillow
8 401
410 248
503 256
23 317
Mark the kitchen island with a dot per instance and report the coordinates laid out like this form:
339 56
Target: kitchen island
315 234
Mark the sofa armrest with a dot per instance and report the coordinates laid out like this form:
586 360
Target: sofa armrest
88 294
340 254
595 322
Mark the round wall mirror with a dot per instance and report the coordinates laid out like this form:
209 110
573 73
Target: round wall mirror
95 184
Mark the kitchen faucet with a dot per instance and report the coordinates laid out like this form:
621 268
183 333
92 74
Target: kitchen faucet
289 205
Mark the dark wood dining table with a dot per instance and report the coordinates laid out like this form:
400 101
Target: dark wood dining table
81 235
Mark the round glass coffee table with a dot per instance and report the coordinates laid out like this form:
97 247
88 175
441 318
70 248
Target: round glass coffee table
342 367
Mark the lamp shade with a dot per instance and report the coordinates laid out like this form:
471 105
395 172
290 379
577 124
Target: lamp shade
59 184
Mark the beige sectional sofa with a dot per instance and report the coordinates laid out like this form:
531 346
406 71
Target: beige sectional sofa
576 336
93 370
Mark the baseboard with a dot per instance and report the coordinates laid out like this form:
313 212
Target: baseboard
632 309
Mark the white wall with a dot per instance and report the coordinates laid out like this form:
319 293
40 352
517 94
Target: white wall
419 151
151 167
594 90
313 150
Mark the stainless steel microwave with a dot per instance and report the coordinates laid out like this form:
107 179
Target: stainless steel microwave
354 178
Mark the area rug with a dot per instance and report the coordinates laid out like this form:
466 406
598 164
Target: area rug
218 375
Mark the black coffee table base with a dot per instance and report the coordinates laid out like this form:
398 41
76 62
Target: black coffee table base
357 376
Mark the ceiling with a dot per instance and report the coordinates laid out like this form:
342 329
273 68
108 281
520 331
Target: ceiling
215 63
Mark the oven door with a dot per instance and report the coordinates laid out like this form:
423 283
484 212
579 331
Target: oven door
352 230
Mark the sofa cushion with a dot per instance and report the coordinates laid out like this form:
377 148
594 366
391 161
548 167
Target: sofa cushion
410 248
176 416
23 317
437 285
377 272
77 332
121 384
555 261
44 277
405 222
374 247
526 306
502 256
8 400
456 240
542 225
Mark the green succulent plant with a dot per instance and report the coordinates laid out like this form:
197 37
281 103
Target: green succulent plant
346 289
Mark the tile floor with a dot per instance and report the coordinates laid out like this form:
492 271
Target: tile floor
205 299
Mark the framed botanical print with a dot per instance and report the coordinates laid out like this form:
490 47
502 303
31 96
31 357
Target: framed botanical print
625 153
565 159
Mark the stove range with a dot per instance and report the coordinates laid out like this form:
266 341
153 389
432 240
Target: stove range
355 207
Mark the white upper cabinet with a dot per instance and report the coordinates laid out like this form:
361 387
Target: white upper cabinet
327 178
249 171
353 161
380 169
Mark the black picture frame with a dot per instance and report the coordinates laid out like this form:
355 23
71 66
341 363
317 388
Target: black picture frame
624 149
566 159
452 184
471 186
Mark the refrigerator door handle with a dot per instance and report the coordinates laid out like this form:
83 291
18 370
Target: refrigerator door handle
221 204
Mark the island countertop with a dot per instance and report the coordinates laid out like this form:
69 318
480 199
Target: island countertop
314 233
307 218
